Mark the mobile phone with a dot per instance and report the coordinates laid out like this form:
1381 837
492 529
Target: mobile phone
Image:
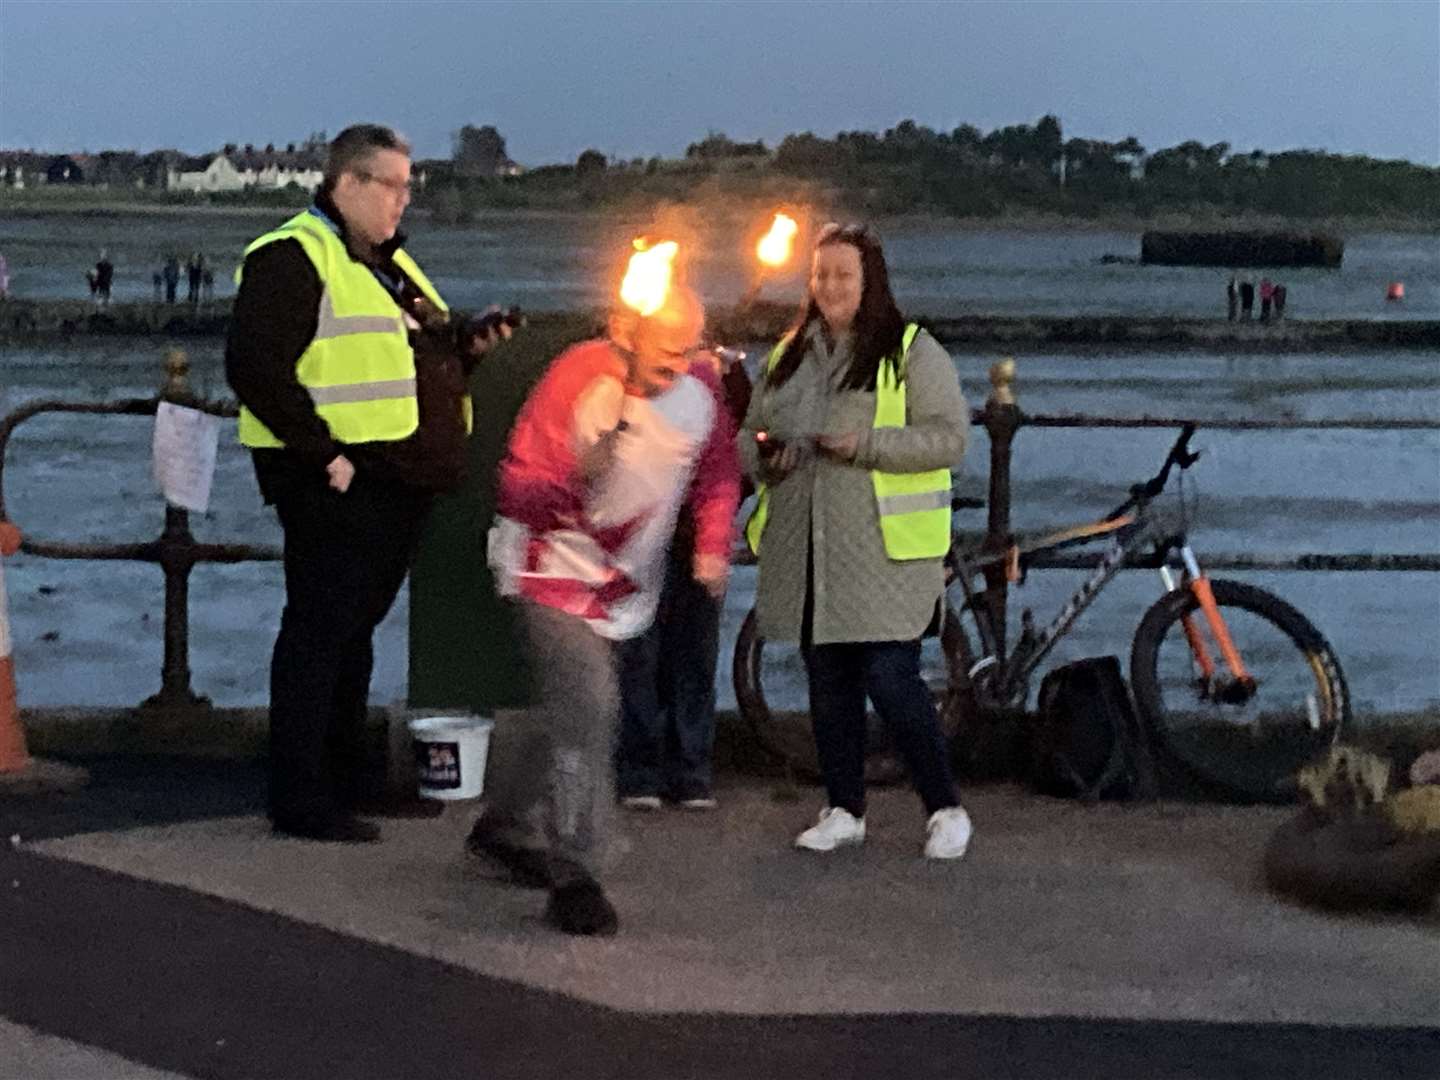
491 321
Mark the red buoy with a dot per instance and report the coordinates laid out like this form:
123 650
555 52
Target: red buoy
1395 291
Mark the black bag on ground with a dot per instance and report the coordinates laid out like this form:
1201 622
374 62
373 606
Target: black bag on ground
1088 742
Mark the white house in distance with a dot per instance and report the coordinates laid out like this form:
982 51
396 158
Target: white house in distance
236 170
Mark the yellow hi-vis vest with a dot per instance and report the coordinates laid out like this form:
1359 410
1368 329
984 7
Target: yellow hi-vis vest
914 508
359 368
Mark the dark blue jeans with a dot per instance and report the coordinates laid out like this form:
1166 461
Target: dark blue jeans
667 690
888 672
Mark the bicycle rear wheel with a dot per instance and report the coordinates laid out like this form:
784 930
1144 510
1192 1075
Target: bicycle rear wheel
1246 740
775 673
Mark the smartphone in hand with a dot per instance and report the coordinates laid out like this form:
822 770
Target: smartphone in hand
492 321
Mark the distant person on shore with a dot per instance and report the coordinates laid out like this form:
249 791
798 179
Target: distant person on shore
1232 297
172 278
158 280
207 284
1267 297
195 273
104 278
1279 301
4 279
1247 299
354 424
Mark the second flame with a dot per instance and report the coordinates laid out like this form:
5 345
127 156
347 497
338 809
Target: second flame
774 247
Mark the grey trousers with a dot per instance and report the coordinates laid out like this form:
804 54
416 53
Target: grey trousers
550 784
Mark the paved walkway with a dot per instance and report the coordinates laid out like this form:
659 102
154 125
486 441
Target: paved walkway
151 919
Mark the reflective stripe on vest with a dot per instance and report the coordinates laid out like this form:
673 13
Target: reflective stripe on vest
913 508
359 367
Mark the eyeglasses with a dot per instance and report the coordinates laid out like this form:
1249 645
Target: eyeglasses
397 187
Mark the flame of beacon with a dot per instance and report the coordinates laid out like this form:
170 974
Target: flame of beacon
774 247
647 278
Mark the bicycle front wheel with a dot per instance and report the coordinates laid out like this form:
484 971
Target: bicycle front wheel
1247 739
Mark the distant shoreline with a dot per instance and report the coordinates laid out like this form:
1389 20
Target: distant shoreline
25 206
22 320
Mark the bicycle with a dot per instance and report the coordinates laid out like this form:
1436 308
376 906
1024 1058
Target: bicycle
1235 686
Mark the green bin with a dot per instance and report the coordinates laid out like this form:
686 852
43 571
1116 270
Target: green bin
465 649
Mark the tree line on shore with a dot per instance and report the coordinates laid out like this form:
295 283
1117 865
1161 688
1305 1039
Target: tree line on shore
1023 168
1018 169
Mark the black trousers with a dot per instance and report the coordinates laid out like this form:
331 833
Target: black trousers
841 677
346 557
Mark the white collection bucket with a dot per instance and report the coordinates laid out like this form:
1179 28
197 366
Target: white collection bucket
450 753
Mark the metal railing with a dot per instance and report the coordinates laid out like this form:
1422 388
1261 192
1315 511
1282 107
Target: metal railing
1002 418
177 551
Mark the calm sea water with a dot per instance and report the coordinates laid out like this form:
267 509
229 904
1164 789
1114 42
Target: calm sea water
89 632
556 261
86 478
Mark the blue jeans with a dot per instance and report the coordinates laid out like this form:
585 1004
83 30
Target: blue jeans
667 691
888 672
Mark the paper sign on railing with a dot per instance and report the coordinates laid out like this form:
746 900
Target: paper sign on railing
184 455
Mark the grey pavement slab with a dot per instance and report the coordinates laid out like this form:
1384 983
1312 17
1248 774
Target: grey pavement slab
27 1053
1060 910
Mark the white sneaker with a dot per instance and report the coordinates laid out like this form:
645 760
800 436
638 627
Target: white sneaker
834 828
947 833
645 804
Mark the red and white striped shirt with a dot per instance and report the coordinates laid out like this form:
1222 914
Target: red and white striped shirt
597 549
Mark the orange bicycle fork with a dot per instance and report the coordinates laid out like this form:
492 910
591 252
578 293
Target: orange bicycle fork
1199 585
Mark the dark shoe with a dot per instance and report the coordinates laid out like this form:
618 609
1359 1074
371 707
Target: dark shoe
581 908
529 867
330 828
397 806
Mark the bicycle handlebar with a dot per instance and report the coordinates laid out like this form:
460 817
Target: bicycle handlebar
1179 455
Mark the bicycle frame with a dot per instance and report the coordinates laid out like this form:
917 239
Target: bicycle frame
1009 678
1131 534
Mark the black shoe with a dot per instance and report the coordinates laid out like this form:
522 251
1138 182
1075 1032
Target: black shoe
330 828
528 867
397 806
581 908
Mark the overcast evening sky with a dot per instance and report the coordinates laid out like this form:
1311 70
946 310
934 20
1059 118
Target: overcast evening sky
646 79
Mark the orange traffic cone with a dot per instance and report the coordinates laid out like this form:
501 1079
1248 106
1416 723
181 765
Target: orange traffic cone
18 770
13 755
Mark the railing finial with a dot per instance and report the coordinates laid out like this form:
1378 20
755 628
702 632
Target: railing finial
177 375
1002 380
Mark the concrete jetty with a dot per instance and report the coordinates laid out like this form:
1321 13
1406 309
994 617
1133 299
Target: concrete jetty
49 319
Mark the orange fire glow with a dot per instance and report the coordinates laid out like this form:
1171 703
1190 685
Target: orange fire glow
774 247
647 278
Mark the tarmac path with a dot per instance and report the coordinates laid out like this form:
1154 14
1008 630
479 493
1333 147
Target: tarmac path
149 926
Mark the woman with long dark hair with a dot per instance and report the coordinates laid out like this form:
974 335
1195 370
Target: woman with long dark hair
851 434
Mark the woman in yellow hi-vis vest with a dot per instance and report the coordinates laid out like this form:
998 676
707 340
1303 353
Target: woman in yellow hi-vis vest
851 435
